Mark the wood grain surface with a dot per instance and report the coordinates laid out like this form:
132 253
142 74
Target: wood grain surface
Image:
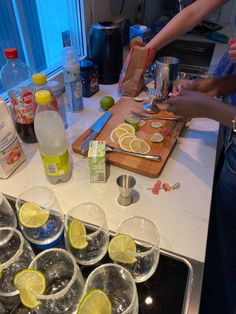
138 165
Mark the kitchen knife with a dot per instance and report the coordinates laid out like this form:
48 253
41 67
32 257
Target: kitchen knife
95 128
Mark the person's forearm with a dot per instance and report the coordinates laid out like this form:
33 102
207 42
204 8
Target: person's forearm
183 22
226 85
221 112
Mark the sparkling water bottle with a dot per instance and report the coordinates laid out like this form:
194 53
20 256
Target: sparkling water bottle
50 133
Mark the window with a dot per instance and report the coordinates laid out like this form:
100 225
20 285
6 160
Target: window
39 29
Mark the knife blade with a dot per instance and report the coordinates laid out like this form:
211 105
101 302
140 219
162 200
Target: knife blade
95 128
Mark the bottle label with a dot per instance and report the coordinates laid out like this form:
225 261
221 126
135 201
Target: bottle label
71 75
7 130
23 105
56 166
10 158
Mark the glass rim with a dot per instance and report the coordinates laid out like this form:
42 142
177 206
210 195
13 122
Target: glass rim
19 250
69 284
3 197
33 188
101 225
155 227
106 265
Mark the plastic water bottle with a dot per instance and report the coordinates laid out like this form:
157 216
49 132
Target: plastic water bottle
73 84
16 78
40 82
50 133
58 90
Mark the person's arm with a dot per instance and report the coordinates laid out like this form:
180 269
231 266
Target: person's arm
232 51
195 105
212 86
184 21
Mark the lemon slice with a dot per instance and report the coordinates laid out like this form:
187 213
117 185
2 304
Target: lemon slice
31 215
125 140
122 248
128 127
138 145
1 272
77 235
28 281
156 138
95 302
117 133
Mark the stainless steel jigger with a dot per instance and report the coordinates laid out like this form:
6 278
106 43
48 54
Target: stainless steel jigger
125 183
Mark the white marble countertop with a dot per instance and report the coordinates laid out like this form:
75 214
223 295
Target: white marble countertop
182 215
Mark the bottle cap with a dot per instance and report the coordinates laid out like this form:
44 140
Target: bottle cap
86 65
11 53
39 78
43 97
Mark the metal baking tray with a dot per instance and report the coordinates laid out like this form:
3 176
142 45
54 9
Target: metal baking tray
174 288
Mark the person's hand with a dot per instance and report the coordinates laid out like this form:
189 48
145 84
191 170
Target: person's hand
232 51
190 104
207 86
132 73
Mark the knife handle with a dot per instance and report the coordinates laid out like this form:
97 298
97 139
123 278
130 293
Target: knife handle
85 145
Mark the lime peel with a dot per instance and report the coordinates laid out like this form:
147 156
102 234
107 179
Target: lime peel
95 302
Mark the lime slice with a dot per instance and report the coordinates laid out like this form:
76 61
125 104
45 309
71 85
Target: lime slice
28 281
138 145
142 123
77 235
156 138
156 125
117 133
31 215
133 121
125 140
122 248
95 302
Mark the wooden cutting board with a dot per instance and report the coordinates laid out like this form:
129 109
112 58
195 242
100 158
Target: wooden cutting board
132 163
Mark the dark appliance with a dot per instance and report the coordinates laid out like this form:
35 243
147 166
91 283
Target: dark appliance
105 50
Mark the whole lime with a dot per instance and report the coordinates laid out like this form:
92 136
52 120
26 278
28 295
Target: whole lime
106 102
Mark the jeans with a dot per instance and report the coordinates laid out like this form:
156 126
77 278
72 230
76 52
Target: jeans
219 282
